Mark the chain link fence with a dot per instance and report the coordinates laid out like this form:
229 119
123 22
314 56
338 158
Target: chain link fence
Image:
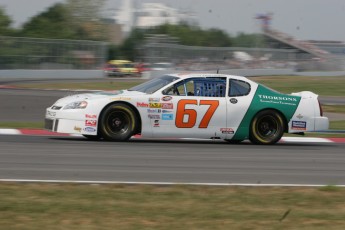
37 53
60 54
211 58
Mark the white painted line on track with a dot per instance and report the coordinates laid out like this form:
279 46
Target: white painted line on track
164 183
305 139
10 131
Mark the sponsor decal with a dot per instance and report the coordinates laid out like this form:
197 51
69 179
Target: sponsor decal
166 98
166 111
233 100
92 123
91 116
154 100
284 100
154 110
142 104
155 105
167 117
167 105
89 129
154 116
227 130
156 123
76 128
121 98
299 125
51 114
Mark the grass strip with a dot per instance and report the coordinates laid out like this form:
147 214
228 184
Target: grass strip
325 86
334 108
74 206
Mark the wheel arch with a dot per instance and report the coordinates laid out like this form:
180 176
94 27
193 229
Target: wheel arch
136 111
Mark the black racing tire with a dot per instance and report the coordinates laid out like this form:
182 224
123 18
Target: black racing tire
233 141
118 122
267 127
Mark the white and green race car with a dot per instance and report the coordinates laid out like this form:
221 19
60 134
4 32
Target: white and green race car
215 106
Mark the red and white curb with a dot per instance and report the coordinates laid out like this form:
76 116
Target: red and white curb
42 132
33 132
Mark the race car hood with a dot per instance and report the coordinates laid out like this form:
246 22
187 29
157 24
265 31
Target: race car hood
97 95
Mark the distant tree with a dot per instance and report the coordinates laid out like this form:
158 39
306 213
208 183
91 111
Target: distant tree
77 19
128 49
217 37
187 35
53 23
86 10
86 16
5 23
194 35
249 40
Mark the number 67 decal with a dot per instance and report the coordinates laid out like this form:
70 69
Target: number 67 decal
192 113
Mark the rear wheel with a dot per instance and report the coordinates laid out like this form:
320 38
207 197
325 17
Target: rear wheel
118 122
267 127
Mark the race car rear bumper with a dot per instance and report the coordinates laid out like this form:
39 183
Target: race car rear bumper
311 124
321 123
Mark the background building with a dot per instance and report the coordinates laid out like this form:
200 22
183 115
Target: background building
148 15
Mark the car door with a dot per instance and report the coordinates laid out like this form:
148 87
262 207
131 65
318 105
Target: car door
194 108
239 97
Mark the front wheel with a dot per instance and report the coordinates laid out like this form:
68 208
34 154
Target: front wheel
118 122
266 128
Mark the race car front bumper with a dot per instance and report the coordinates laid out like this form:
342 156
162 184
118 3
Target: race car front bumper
69 122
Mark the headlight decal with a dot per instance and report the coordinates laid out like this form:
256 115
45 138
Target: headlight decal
76 105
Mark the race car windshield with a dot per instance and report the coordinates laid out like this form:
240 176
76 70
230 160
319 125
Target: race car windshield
154 84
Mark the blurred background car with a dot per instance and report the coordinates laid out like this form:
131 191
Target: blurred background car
143 67
162 66
121 68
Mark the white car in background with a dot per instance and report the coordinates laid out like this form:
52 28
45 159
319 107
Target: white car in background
162 66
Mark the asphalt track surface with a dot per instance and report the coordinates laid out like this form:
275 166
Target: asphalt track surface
140 160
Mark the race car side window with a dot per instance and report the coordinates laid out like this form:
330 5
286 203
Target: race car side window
203 87
182 88
238 88
177 89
